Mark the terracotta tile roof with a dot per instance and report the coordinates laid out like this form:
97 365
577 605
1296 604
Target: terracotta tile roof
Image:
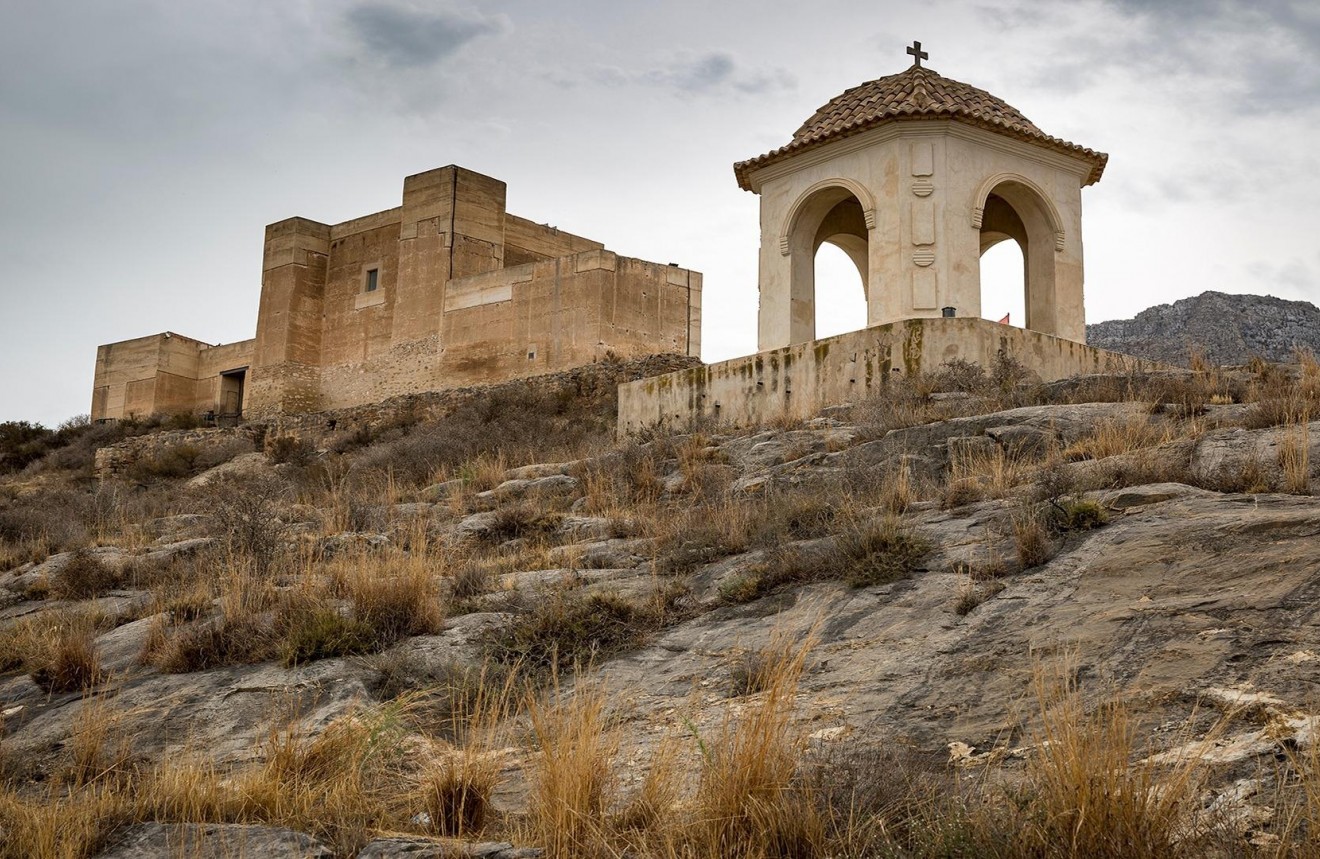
918 93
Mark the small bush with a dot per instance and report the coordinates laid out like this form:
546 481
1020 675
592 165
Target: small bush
83 576
291 450
782 567
323 633
1077 514
178 461
22 442
958 374
71 664
567 628
525 519
227 640
880 552
245 515
1031 537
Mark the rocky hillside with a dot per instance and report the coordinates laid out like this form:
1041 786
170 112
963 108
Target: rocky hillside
1074 620
1228 329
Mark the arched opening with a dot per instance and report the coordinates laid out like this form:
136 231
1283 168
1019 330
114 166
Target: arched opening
831 216
1003 265
840 292
1018 237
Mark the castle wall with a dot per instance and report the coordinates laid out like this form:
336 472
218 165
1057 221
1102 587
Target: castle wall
465 294
798 381
358 325
526 241
531 320
163 373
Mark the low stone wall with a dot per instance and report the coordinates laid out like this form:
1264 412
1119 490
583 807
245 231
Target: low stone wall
116 459
432 405
798 381
586 381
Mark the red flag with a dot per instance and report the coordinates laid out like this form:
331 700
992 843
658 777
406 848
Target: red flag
1004 321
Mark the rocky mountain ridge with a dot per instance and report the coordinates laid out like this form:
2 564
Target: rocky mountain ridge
1228 329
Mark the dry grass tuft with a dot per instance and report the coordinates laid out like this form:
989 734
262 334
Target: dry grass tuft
67 660
749 802
1295 457
571 779
1031 536
986 473
1090 797
83 576
756 671
456 789
1114 437
972 593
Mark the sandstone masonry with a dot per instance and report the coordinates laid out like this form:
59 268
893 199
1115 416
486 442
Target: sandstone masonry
447 290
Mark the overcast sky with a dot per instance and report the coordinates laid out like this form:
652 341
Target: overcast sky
145 144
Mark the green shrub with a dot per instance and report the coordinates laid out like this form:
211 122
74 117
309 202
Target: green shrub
880 552
22 442
781 567
1079 515
324 633
567 628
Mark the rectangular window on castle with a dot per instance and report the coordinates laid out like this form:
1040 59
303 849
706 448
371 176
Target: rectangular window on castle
372 280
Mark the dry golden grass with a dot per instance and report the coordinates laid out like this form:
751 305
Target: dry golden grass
60 825
1088 794
1114 437
1031 537
456 788
1295 456
100 743
992 473
571 779
748 803
56 649
1300 811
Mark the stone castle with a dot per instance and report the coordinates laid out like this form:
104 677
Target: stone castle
914 176
447 290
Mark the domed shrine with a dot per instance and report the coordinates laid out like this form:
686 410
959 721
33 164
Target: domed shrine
914 176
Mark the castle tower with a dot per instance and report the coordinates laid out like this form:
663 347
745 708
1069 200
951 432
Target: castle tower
914 176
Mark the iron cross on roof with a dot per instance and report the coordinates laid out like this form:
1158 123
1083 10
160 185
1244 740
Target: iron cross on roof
919 54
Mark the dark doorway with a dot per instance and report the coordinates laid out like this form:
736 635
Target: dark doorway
231 397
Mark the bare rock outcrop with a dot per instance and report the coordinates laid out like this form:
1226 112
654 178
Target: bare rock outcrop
1228 329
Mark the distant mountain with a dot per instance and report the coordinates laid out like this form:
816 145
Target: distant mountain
1229 329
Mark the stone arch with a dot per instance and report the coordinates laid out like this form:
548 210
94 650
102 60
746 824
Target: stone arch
1047 205
1012 207
840 212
